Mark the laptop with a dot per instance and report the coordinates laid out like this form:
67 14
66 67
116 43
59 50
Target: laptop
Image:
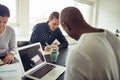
34 65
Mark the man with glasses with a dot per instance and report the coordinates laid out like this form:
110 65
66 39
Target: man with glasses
46 33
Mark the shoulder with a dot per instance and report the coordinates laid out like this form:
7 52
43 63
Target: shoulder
58 30
40 25
90 42
10 29
108 33
87 40
112 39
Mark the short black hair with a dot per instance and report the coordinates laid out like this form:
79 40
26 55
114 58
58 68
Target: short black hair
53 15
4 11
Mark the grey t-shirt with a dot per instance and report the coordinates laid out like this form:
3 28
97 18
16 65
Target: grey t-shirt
7 41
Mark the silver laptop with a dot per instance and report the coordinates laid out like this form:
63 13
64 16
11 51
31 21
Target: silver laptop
34 64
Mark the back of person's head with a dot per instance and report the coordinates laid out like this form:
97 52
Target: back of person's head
72 16
4 11
54 15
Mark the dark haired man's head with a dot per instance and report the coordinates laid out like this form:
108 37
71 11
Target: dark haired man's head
53 21
72 22
54 15
4 11
4 16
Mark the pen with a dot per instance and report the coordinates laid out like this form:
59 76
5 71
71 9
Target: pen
46 44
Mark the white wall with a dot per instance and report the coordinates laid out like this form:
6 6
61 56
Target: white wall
108 14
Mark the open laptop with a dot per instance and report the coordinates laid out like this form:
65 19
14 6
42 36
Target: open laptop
34 64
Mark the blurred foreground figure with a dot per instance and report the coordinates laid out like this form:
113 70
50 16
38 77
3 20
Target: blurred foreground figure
96 56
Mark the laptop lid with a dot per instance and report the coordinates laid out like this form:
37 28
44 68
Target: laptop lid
31 57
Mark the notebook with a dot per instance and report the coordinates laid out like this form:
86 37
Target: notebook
34 64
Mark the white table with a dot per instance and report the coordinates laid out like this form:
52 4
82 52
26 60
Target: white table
11 71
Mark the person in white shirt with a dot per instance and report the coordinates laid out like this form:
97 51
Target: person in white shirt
96 56
7 37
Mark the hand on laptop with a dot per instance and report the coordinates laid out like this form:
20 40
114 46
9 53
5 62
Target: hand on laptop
9 59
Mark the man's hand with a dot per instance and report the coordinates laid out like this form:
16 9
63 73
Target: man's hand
49 47
55 46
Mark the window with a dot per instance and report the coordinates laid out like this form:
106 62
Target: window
85 10
40 10
12 7
13 20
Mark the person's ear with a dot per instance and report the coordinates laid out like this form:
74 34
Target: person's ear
68 26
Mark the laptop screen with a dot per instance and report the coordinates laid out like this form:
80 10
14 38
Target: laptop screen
31 56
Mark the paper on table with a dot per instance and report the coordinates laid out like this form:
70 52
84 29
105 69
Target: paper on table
9 75
46 53
10 72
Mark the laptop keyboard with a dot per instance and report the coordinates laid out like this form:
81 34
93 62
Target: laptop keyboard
42 71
